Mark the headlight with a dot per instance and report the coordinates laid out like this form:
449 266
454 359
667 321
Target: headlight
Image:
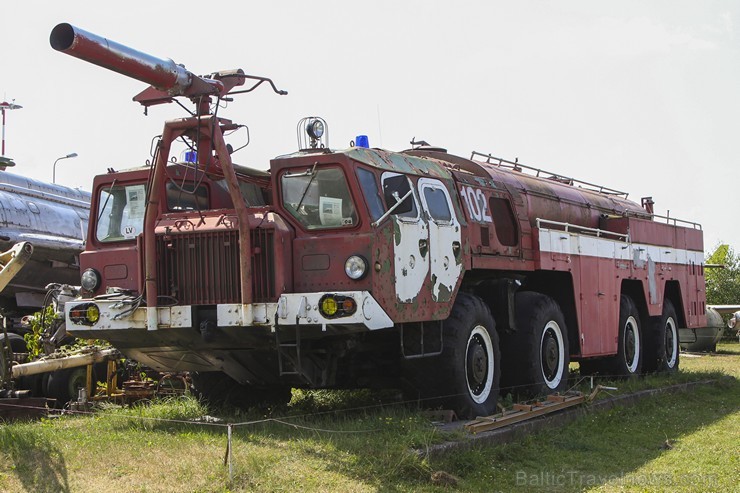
315 129
733 320
90 280
355 267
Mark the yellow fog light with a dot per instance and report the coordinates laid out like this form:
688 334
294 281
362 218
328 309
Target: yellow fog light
85 314
93 314
329 306
337 306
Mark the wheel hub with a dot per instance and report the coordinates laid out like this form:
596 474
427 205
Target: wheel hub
477 365
550 355
629 345
668 342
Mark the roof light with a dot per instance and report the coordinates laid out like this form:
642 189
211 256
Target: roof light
315 129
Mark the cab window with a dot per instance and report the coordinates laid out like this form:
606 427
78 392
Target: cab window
319 198
120 214
397 187
183 197
372 193
436 203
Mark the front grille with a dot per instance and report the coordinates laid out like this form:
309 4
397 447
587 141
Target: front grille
263 265
203 268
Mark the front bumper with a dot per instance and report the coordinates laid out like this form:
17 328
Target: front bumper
291 309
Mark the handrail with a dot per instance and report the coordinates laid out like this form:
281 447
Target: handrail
668 219
598 232
517 166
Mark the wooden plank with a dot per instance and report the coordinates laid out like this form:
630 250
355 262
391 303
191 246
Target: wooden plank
523 412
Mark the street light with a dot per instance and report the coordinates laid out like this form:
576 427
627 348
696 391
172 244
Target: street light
3 107
54 169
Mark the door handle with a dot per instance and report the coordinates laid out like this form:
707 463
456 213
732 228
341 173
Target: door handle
423 247
456 249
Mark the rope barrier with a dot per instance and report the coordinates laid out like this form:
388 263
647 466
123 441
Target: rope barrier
285 420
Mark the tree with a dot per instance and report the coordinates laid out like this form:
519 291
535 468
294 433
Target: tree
723 284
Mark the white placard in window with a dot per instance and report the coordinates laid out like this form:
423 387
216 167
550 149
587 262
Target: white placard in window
136 201
330 211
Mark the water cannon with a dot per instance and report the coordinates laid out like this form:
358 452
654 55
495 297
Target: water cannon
168 79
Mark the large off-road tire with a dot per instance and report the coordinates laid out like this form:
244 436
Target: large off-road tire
17 345
661 352
64 385
469 367
537 355
218 389
667 347
628 360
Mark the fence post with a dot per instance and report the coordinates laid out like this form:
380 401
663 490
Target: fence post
228 452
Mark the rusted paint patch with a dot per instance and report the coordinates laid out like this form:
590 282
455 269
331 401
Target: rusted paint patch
396 232
444 293
638 261
392 161
652 286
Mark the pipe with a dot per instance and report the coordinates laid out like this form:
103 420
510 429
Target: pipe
163 74
77 360
12 261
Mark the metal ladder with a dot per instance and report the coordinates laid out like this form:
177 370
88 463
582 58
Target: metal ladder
285 352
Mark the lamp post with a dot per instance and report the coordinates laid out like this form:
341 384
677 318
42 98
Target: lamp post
54 169
7 106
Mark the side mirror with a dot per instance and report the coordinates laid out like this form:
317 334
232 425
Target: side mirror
396 189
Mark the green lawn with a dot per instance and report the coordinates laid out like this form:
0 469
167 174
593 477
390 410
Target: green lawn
676 442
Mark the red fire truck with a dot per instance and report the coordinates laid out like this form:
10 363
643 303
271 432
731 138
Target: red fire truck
452 277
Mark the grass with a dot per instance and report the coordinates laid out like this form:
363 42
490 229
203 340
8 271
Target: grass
675 442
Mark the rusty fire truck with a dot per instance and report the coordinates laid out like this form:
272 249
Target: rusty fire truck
419 269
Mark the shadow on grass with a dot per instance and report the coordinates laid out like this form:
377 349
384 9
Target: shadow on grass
37 463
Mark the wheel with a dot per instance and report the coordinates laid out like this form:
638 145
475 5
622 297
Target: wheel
538 353
469 369
218 389
628 360
661 352
64 385
667 340
17 345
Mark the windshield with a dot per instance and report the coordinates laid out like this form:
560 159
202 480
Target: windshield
319 198
120 212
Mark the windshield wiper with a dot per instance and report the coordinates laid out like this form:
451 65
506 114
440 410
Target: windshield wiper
308 185
110 194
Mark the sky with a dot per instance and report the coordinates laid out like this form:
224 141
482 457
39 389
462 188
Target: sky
638 96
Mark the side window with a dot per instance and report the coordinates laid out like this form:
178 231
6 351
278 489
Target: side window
371 192
396 187
436 202
504 221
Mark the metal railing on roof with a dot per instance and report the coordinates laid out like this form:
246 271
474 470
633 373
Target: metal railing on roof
541 173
